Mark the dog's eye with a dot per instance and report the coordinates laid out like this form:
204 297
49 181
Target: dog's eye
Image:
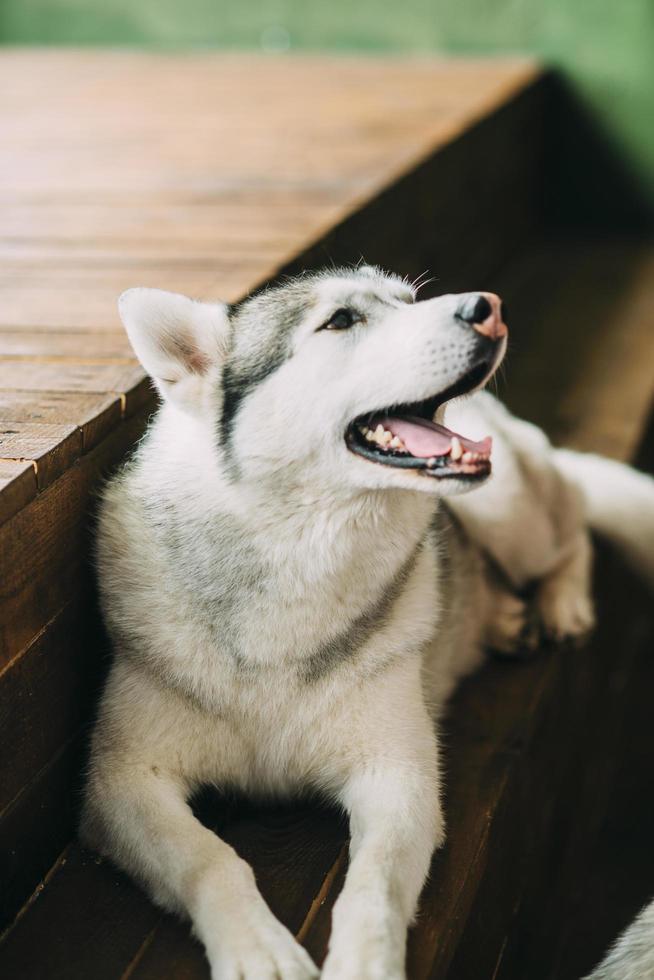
341 320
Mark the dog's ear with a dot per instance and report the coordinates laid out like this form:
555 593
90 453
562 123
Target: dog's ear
176 339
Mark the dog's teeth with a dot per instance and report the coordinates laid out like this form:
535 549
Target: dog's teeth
456 449
468 457
431 461
382 437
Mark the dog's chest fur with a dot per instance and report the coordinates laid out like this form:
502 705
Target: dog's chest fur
243 619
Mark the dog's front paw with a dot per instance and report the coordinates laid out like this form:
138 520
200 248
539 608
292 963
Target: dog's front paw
365 953
566 613
258 947
361 967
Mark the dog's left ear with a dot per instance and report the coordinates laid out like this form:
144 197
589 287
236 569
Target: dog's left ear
176 339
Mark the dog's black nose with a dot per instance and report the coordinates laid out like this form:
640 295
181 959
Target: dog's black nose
475 310
484 312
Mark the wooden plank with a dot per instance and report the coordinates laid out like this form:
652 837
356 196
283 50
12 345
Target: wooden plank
89 918
209 221
575 897
66 299
124 379
43 548
597 844
43 562
48 692
613 866
597 325
96 415
51 447
256 248
609 387
17 486
37 826
74 347
398 125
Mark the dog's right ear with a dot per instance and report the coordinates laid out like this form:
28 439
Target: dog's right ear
176 339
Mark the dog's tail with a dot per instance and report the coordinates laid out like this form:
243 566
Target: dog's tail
619 503
632 955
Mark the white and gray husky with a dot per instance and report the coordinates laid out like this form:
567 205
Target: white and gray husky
291 600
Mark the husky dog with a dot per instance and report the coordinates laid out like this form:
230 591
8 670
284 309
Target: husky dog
291 600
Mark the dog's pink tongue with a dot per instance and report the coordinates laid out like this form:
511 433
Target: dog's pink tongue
424 439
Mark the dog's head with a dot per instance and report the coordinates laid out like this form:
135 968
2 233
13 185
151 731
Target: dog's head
340 377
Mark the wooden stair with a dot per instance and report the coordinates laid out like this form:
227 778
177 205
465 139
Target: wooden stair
211 175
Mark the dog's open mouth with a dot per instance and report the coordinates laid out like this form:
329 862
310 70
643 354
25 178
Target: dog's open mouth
406 436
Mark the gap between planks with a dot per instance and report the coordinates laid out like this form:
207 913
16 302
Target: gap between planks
59 863
140 953
322 894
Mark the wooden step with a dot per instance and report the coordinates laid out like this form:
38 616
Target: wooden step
210 175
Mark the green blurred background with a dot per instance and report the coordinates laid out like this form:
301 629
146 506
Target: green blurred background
603 48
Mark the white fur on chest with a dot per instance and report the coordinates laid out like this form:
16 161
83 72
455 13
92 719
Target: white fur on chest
243 614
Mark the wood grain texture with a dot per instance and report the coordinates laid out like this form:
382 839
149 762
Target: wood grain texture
37 825
50 446
17 486
60 345
89 905
95 415
582 346
48 692
34 375
44 561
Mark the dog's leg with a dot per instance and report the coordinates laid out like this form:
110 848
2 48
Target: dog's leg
564 596
140 818
395 822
